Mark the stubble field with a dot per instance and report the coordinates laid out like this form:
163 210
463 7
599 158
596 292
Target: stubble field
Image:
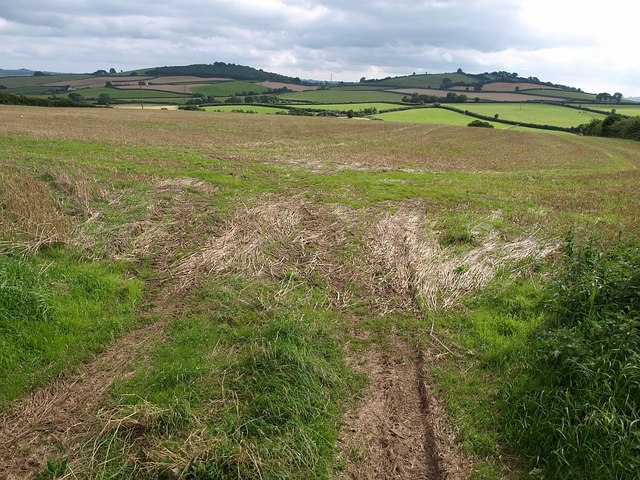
279 297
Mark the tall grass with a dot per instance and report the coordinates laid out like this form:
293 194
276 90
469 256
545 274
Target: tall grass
55 309
574 409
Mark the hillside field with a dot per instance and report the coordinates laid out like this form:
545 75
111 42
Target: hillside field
536 113
206 295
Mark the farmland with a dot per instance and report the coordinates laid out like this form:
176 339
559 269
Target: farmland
241 295
432 116
343 96
536 113
224 89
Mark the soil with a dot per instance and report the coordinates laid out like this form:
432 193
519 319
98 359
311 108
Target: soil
399 430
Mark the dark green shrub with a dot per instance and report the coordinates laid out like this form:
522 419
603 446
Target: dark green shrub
480 123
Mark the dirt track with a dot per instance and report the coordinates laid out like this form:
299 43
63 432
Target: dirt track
399 430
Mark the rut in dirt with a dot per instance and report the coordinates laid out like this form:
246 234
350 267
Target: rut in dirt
399 430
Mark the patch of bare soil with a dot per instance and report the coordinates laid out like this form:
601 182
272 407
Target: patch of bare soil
399 430
47 423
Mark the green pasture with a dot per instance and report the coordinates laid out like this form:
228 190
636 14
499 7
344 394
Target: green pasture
630 110
356 107
563 94
126 94
332 96
542 114
246 108
225 89
430 115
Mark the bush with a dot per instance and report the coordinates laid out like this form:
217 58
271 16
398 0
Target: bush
615 125
575 409
480 123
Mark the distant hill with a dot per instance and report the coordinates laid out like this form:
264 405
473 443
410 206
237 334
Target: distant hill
22 72
223 70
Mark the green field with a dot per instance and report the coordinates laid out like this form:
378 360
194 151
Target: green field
623 109
356 107
541 114
343 96
225 89
433 116
245 108
236 296
125 94
583 97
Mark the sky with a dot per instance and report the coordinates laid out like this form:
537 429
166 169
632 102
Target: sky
581 43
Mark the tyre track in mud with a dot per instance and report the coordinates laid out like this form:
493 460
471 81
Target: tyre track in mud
398 429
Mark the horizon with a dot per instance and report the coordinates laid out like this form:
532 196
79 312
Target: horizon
565 43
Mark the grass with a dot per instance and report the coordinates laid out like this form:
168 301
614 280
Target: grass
563 94
56 310
573 407
224 89
124 93
623 109
429 116
535 113
252 376
340 107
343 96
259 379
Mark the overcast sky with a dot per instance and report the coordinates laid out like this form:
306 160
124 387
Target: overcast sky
582 43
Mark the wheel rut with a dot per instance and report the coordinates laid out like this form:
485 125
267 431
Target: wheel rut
398 430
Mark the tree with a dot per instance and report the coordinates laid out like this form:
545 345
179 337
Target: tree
446 83
112 70
108 85
363 79
38 73
617 97
104 99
